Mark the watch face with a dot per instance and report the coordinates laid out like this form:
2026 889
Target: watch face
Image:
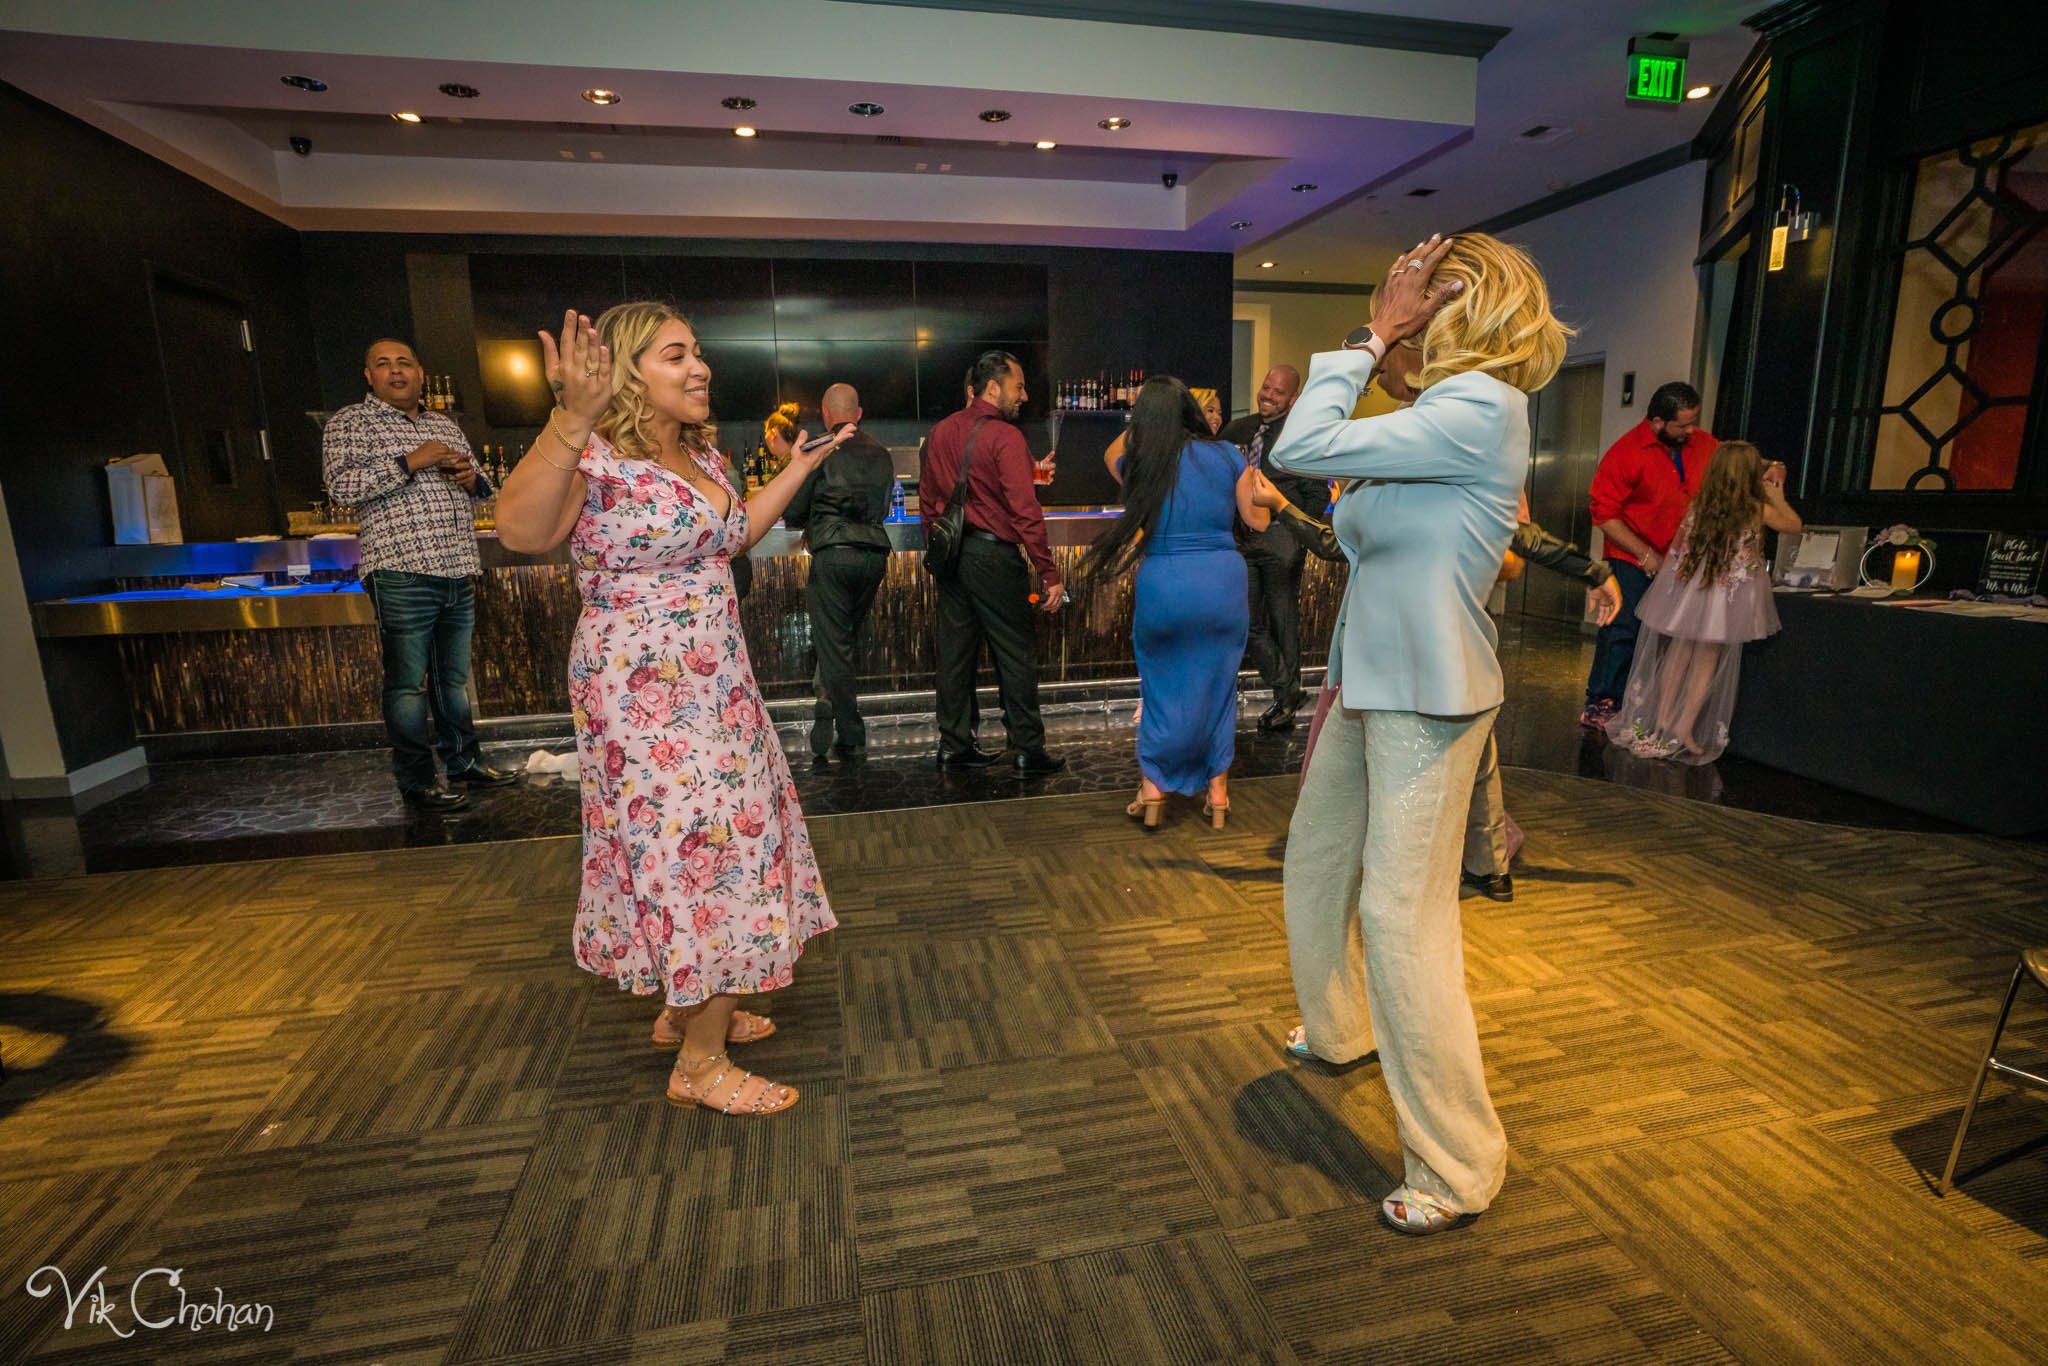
1359 336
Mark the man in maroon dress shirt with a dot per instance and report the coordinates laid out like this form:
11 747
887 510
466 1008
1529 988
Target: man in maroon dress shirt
1639 496
1005 564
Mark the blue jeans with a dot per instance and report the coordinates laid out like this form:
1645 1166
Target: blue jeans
425 621
1614 649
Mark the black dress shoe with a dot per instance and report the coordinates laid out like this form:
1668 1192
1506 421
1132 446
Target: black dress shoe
820 760
966 758
1279 717
847 754
435 799
483 775
1036 763
1494 886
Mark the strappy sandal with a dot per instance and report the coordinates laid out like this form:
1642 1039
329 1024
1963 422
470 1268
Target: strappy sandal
746 1027
1297 1042
1215 811
771 1098
1418 1213
1146 808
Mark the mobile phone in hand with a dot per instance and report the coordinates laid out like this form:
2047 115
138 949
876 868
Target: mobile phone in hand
825 440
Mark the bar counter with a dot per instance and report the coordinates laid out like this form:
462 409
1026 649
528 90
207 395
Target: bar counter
305 654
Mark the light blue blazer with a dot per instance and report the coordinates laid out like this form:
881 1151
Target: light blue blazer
1424 532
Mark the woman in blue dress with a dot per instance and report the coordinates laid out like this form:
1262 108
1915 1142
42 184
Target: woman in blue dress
1182 489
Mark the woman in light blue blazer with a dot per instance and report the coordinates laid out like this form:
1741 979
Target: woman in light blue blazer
1374 848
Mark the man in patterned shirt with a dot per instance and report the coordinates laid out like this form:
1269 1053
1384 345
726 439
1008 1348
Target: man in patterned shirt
409 475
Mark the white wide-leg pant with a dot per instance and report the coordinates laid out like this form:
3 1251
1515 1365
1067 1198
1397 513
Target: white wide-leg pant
1373 853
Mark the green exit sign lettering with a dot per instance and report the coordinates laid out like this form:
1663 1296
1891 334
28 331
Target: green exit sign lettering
1655 79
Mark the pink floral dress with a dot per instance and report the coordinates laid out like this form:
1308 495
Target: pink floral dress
698 876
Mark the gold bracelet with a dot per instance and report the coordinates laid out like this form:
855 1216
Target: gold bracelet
534 449
556 432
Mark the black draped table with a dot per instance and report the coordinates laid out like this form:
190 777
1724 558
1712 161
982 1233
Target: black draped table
1939 713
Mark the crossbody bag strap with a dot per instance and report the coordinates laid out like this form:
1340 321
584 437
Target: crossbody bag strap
966 462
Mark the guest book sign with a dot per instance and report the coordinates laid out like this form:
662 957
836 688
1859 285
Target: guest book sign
2012 564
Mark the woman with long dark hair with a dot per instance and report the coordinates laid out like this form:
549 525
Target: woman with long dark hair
1182 487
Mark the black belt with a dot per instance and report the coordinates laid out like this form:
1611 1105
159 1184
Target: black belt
975 533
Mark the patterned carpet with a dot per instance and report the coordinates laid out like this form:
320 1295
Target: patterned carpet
1045 1114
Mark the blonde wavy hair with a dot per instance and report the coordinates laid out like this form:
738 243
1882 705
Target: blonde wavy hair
629 329
1204 397
1501 325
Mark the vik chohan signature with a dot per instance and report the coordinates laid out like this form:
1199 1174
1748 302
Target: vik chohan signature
195 1313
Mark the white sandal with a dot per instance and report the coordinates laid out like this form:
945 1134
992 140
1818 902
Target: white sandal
1415 1212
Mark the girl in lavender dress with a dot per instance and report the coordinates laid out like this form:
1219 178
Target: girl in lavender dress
698 879
1713 594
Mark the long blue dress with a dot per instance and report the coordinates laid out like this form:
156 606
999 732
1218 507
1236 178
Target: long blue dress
1190 623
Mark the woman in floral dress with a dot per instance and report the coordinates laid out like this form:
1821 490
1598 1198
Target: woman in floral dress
1713 593
698 877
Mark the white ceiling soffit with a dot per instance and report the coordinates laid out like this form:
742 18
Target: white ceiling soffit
1561 67
1240 118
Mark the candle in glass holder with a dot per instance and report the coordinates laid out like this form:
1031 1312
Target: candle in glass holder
1905 570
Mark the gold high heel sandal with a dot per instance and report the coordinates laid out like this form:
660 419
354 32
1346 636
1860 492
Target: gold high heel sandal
1147 808
1215 811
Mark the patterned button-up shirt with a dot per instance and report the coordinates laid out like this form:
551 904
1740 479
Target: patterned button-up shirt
420 523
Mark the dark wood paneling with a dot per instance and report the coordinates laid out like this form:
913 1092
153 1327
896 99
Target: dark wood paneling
83 220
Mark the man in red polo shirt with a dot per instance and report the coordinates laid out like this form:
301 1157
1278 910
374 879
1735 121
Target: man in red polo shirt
1639 495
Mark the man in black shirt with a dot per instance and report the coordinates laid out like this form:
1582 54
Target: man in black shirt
1273 559
840 509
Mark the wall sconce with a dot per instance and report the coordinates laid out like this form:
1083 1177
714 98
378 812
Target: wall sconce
1788 226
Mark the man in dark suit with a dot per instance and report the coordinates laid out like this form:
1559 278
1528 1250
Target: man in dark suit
1273 559
841 509
1005 565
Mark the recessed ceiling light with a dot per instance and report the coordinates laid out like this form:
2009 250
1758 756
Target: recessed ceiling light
406 116
945 165
1699 92
1308 272
1265 265
1305 187
1045 146
565 154
1113 124
456 90
597 156
737 102
597 94
1240 224
994 116
311 83
866 109
744 132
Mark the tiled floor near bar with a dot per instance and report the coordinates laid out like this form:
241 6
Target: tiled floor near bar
270 807
1046 1116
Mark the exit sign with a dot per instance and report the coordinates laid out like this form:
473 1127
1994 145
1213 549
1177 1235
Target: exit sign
1655 79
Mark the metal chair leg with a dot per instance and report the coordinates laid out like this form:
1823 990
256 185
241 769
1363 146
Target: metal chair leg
1983 1070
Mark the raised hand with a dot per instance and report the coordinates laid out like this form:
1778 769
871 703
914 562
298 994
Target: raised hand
580 369
811 459
1404 305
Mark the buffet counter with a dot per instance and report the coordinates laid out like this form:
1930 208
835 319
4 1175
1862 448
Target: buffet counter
296 646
